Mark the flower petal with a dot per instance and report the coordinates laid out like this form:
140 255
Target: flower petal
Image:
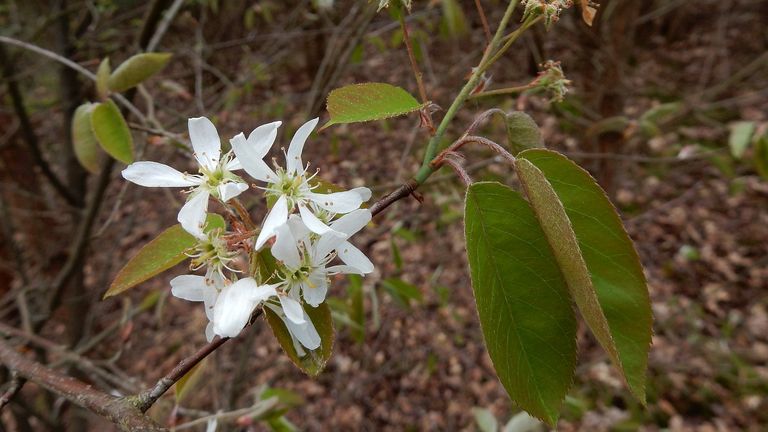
234 165
343 269
235 305
209 333
327 242
251 160
153 174
293 157
312 222
285 248
364 192
305 333
262 138
352 222
338 202
189 287
292 309
205 141
276 217
227 191
315 289
192 215
354 257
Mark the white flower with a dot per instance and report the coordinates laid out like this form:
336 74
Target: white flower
305 262
200 289
215 177
237 301
291 186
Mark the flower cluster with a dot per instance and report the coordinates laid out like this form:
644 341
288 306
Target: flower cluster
549 9
305 230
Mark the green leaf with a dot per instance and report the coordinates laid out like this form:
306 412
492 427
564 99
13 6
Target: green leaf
557 228
102 76
370 101
454 20
486 421
313 362
402 291
189 381
761 156
611 260
522 132
112 131
740 137
522 300
84 142
157 256
136 69
662 112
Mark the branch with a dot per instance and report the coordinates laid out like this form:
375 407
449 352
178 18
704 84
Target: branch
117 410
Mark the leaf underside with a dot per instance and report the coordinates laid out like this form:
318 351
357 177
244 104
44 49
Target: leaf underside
522 300
611 260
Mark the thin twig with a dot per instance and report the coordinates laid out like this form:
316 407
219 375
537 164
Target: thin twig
502 91
484 20
412 58
13 389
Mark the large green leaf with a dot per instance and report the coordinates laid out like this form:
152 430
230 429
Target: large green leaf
370 101
157 256
557 228
112 131
611 260
522 300
313 362
522 132
136 69
84 142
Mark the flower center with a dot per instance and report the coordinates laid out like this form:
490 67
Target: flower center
293 187
212 252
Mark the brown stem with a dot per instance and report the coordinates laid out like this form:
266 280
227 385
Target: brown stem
453 148
461 173
414 65
14 389
484 20
117 410
401 192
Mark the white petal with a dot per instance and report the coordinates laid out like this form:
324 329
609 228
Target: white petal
234 307
292 309
276 217
192 215
315 289
354 257
312 222
327 242
262 138
227 191
364 192
234 165
209 301
305 333
153 174
251 160
293 157
298 228
211 426
209 333
189 287
285 248
338 202
343 269
205 141
352 222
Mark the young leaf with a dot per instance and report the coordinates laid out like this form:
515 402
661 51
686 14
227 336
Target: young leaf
454 20
313 362
112 131
137 69
83 141
522 132
740 137
611 260
369 101
522 300
102 76
557 229
157 256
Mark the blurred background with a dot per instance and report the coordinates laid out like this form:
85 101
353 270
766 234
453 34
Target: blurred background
668 110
